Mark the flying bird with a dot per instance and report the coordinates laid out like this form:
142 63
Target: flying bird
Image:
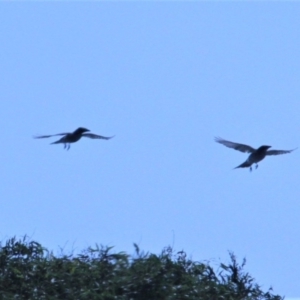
73 137
256 154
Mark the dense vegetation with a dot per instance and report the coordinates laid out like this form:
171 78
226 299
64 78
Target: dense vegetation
29 271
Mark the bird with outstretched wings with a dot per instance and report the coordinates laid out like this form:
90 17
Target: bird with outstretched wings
256 155
68 138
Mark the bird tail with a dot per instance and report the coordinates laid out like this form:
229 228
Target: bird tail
245 164
62 140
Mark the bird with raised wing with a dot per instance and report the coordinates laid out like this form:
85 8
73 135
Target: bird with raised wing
73 137
256 154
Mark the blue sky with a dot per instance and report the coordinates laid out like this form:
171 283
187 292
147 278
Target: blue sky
165 78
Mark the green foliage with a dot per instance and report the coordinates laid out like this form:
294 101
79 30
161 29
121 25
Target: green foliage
29 271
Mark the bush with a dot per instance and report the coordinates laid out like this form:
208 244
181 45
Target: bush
29 271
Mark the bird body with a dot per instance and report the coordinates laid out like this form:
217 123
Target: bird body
73 137
256 155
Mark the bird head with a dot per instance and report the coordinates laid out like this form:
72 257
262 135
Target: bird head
265 148
82 130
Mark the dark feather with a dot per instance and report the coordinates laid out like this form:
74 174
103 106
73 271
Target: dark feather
235 146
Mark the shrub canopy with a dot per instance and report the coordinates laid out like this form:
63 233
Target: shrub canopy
29 271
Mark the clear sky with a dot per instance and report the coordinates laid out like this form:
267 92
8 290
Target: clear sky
165 78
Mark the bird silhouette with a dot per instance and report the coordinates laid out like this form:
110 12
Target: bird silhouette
73 137
256 154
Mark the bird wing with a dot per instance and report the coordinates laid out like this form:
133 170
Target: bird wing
47 136
236 146
96 136
277 152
